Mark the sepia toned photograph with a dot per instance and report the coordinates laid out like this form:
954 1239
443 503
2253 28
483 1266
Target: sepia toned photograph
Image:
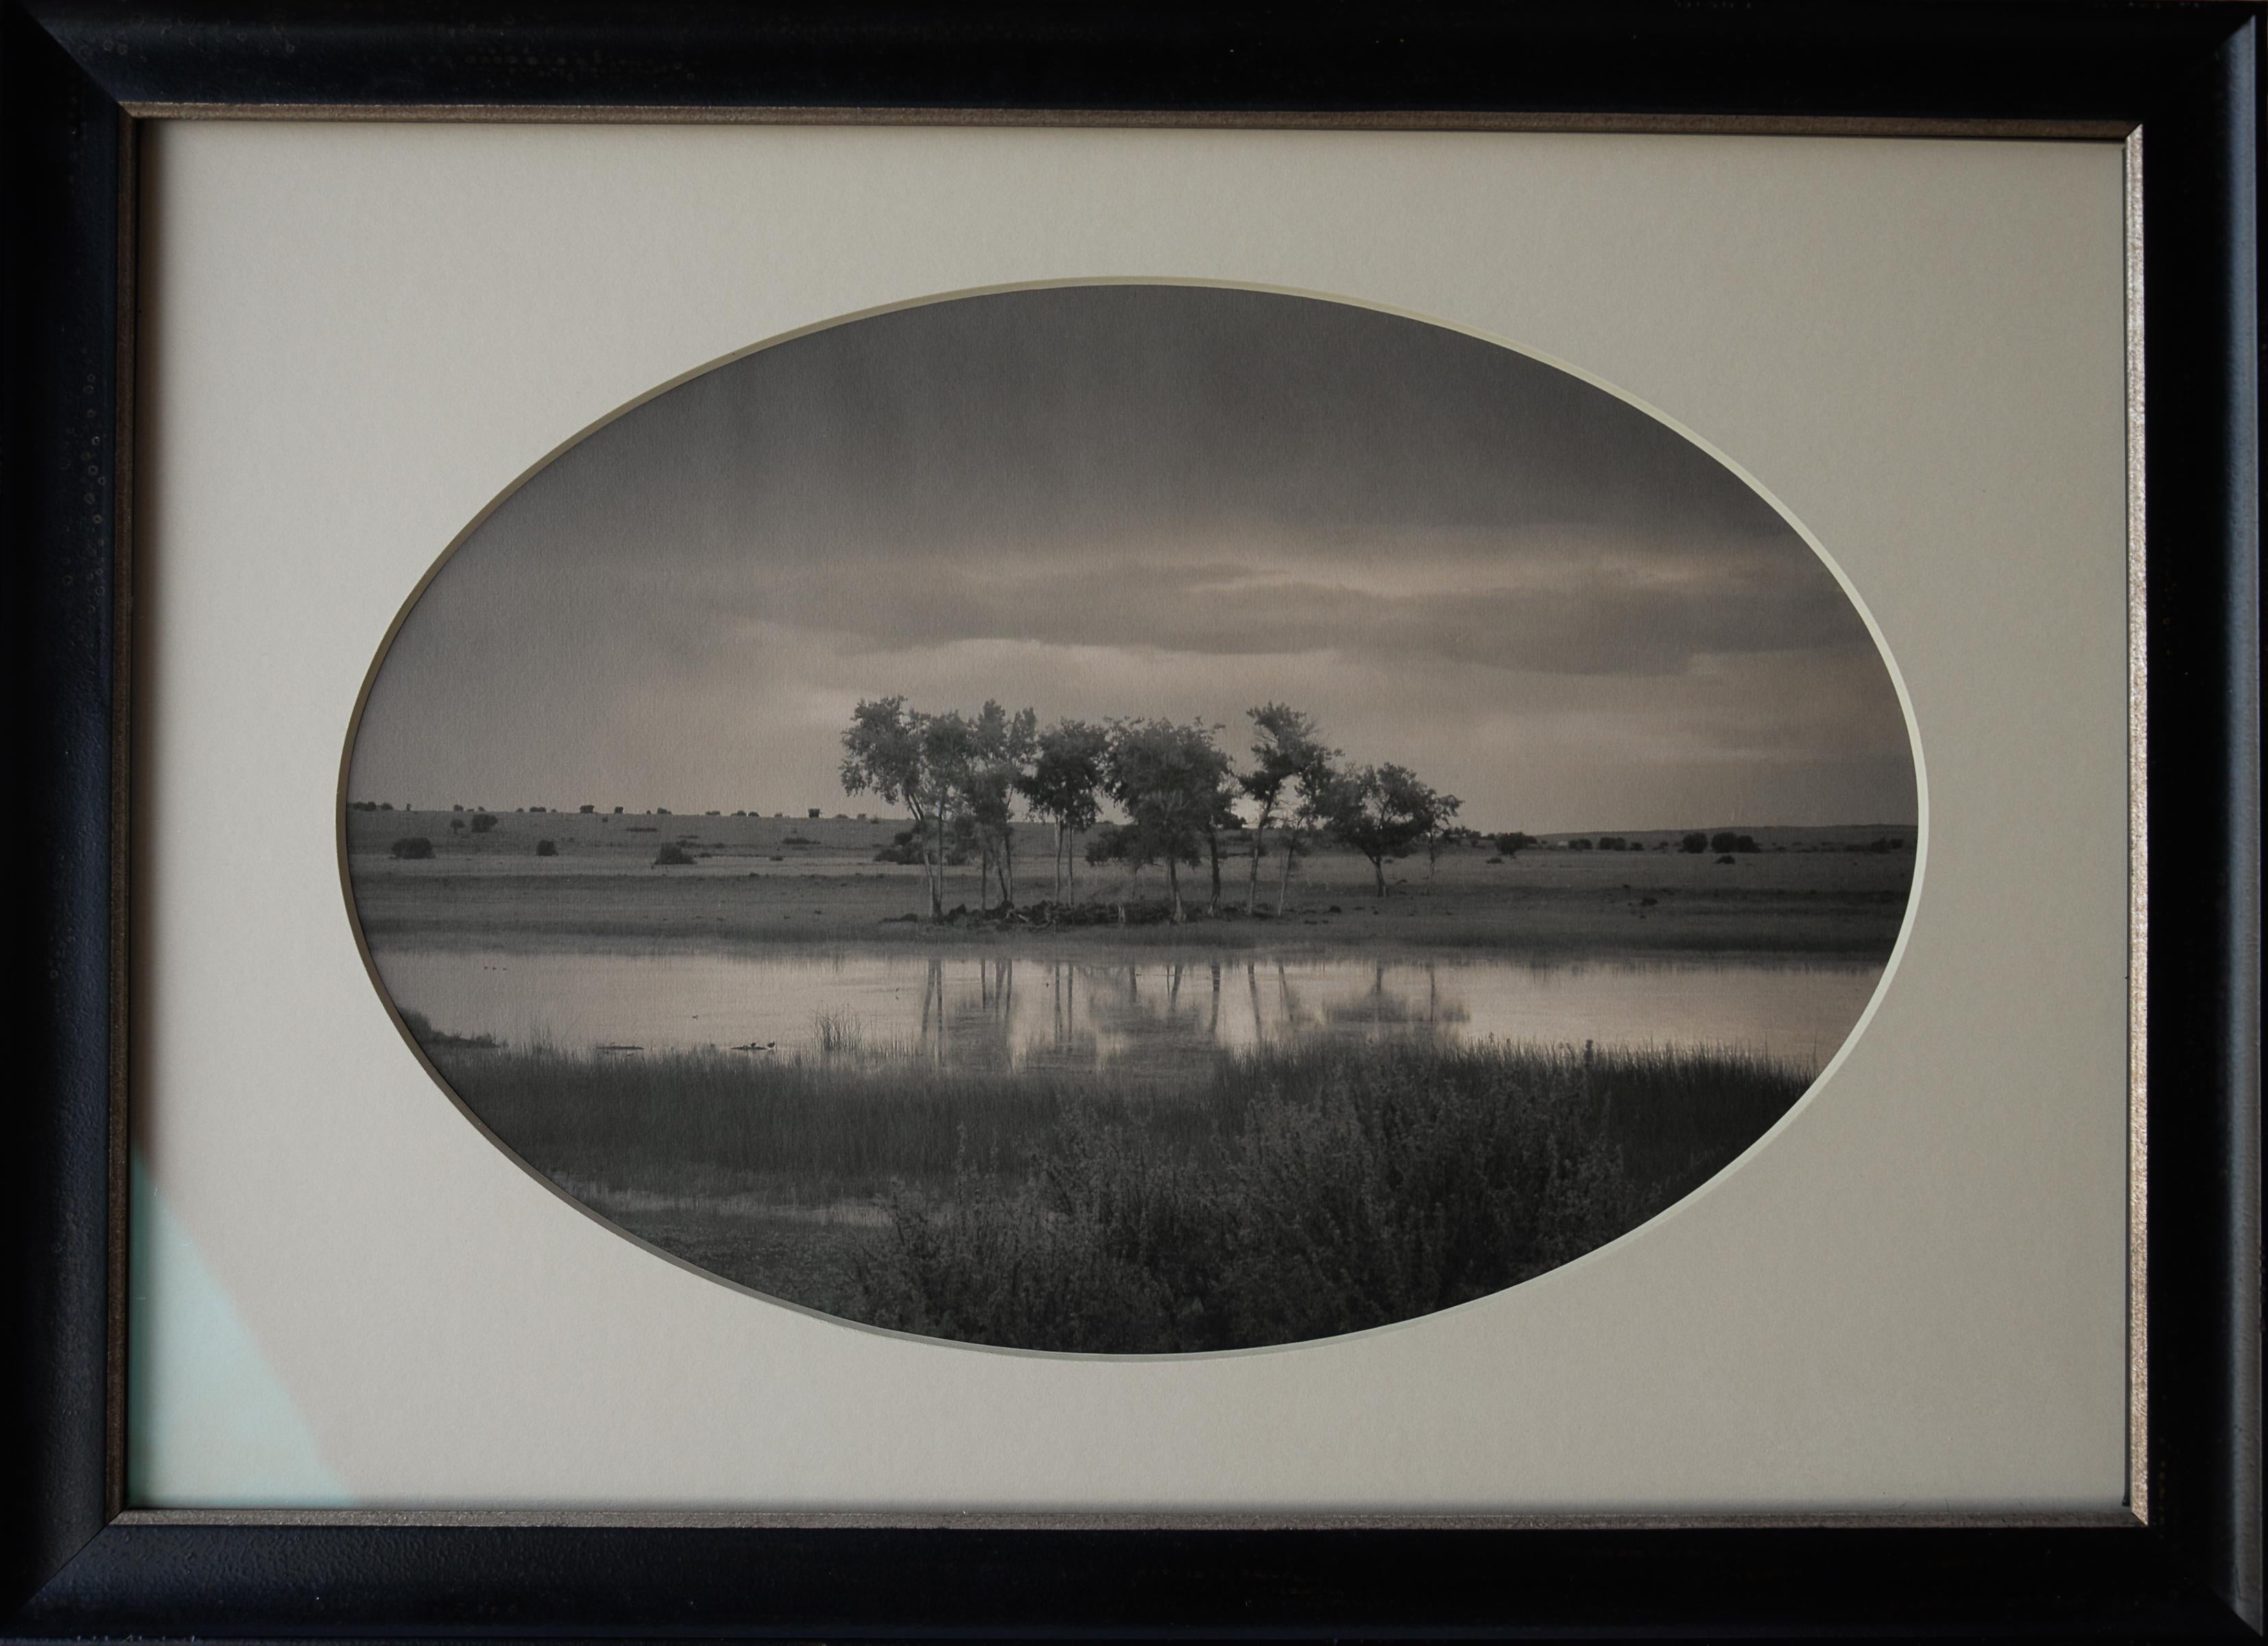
1131 819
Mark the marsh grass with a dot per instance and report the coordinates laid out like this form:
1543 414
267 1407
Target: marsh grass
1285 1194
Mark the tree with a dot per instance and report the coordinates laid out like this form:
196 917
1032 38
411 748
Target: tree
1001 748
1438 833
1064 783
1382 812
1170 779
916 760
1285 750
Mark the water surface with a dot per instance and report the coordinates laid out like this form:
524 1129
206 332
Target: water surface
970 1010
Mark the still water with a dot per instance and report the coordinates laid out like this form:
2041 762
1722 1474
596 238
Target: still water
993 1011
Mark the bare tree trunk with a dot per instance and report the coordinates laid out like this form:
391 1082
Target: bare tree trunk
1058 858
1007 868
1213 846
1174 879
932 863
1252 883
1284 886
1378 868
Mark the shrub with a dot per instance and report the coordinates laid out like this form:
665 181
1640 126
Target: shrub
413 847
546 848
456 825
1727 857
1578 845
587 810
1696 843
1610 843
813 812
795 839
670 857
482 822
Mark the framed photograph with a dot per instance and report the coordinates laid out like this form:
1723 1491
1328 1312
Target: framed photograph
1135 823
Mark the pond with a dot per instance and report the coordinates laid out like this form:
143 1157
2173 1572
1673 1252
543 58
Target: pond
1149 1012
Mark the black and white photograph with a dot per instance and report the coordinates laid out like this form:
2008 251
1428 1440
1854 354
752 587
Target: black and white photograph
1130 818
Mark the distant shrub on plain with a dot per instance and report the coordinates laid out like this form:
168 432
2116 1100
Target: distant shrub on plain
1583 845
587 810
482 822
546 848
456 825
413 847
671 856
1696 843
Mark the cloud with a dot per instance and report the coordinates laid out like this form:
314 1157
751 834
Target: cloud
1155 500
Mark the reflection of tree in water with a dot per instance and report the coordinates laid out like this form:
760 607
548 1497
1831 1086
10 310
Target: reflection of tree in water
1415 1012
1166 1017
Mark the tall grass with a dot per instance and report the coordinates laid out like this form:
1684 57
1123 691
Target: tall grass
1375 1183
1289 1193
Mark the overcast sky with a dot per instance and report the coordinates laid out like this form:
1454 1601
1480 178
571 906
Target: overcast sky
1145 501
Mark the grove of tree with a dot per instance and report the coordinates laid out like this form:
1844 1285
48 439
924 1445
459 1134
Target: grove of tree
1181 796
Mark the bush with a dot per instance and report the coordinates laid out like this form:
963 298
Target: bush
546 848
587 810
413 847
811 812
456 825
1611 843
482 822
670 857
1579 845
1696 843
1728 858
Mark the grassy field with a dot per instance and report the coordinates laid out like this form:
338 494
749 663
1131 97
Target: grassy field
770 880
1293 1193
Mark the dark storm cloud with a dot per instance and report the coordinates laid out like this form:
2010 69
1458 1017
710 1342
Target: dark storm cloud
1220 481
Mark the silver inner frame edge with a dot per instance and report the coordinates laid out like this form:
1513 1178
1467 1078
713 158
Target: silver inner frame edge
2138 870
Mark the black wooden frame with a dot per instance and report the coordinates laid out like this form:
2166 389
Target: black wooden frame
76 75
